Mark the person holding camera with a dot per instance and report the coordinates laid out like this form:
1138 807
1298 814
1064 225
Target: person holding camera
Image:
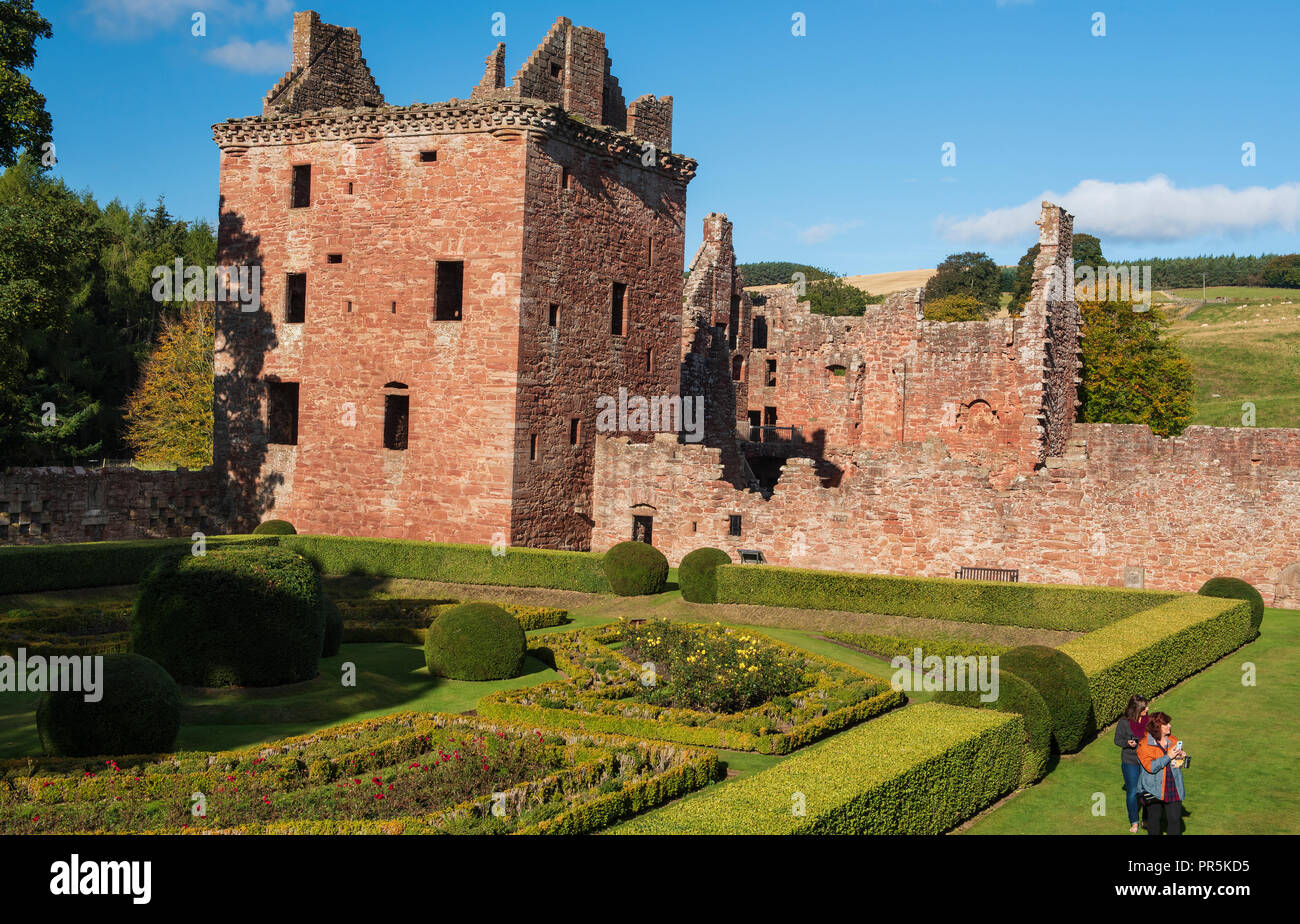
1130 731
1161 783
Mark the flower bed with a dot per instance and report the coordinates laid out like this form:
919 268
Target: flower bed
411 772
697 691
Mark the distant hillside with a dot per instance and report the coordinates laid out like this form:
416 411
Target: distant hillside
875 283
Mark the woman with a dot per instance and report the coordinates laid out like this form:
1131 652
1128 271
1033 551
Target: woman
1162 775
1130 731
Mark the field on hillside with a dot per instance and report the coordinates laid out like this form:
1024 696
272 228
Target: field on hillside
1245 348
876 283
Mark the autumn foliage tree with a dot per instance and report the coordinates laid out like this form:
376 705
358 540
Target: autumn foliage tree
1132 372
169 416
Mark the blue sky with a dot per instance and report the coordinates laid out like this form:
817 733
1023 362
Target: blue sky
823 148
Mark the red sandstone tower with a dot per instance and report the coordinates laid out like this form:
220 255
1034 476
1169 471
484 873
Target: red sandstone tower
447 289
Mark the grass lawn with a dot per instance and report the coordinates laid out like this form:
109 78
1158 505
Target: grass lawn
1242 741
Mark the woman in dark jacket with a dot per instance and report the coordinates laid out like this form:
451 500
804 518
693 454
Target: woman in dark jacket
1130 731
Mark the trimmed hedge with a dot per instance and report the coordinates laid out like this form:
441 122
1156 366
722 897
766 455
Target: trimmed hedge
1019 697
1236 589
475 641
1151 651
274 528
246 617
635 569
333 637
696 575
893 645
407 620
1063 686
139 712
31 568
922 770
1034 606
460 564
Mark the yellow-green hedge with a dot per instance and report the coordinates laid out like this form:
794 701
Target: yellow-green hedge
921 770
1151 651
1035 606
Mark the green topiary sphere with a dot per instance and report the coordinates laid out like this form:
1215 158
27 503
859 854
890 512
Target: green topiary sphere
697 574
475 641
333 628
1236 589
232 617
635 569
274 528
1018 696
139 712
1062 684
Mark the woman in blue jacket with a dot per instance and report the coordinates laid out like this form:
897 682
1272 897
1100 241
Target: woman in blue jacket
1162 760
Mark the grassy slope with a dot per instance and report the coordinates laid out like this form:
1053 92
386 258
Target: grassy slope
1242 741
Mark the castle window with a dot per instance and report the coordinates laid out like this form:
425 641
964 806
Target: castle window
837 374
649 360
428 157
301 186
737 368
618 307
532 447
282 413
575 431
334 258
566 181
734 525
556 70
733 321
771 372
650 255
349 307
760 332
448 290
397 421
553 319
643 529
349 189
295 298
394 307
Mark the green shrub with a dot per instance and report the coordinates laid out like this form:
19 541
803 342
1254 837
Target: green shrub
956 307
696 577
475 641
1151 651
248 617
1019 697
635 569
333 637
139 712
1236 589
1035 606
32 568
891 646
458 564
1064 688
274 528
922 770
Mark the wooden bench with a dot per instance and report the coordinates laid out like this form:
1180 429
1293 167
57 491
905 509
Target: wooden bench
988 574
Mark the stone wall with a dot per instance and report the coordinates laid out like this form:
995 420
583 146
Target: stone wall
1119 507
79 505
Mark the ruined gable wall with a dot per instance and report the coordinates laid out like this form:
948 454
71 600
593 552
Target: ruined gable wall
1214 501
328 70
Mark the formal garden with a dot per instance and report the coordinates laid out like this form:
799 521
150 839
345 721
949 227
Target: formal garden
282 683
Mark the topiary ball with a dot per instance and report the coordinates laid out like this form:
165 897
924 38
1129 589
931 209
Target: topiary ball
232 617
697 574
1018 696
139 712
1236 589
333 639
1062 684
475 641
635 569
274 528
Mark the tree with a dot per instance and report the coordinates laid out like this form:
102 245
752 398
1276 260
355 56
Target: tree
24 123
1133 373
169 417
836 297
1087 252
955 308
1283 271
973 274
773 273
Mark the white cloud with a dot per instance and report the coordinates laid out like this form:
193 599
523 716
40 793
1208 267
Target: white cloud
261 57
820 234
1148 210
119 19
